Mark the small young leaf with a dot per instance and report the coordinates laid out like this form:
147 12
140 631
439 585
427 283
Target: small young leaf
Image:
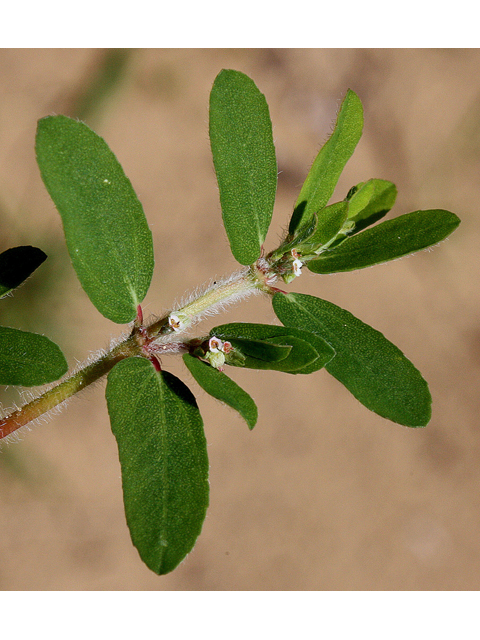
108 238
163 456
370 202
387 241
373 369
323 227
221 387
309 352
324 350
261 350
16 265
244 159
301 354
295 242
29 359
329 163
330 221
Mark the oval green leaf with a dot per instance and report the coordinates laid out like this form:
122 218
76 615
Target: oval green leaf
223 388
16 265
373 369
387 241
29 359
108 238
163 456
329 163
244 158
308 351
371 201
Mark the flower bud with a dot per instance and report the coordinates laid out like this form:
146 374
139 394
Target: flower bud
215 358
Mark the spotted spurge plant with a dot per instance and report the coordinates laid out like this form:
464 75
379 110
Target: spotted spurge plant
154 416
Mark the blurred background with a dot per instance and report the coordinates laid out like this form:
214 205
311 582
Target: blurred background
323 494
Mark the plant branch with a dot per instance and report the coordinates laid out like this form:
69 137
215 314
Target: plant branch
145 341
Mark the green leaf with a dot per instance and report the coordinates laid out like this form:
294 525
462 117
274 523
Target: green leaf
329 163
221 387
16 265
387 241
324 352
163 456
309 352
329 223
292 243
301 354
266 351
108 238
373 369
370 202
244 159
29 359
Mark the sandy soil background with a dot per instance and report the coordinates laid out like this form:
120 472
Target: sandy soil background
322 494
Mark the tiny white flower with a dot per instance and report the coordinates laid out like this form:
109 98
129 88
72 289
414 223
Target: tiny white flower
175 322
297 267
215 344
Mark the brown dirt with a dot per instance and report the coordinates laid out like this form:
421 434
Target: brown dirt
322 494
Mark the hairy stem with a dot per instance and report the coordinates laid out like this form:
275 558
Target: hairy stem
64 390
143 341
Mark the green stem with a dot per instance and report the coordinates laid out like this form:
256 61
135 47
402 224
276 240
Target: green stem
229 291
64 390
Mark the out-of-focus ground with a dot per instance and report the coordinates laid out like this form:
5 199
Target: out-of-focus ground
322 494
